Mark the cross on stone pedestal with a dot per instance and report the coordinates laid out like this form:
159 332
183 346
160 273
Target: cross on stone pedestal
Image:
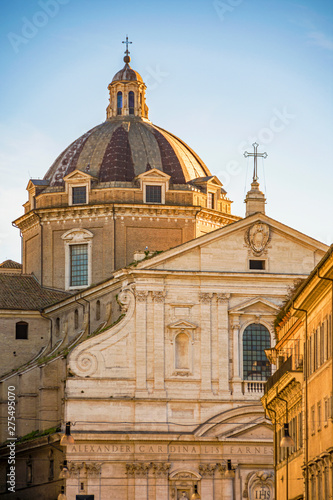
255 155
127 42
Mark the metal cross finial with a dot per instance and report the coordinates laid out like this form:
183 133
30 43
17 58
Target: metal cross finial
255 155
127 42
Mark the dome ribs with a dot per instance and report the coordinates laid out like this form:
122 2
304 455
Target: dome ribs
170 162
117 164
67 163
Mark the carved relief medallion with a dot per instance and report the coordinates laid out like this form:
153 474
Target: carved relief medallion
257 237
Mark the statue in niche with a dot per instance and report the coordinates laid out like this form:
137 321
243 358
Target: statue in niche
183 496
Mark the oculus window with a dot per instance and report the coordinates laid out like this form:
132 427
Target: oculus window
153 194
79 195
21 330
78 265
256 339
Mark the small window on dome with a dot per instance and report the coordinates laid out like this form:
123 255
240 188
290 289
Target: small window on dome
79 195
131 102
153 194
119 103
210 200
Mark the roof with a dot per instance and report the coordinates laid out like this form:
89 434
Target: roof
10 264
23 292
127 73
122 148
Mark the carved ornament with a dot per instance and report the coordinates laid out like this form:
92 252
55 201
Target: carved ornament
257 237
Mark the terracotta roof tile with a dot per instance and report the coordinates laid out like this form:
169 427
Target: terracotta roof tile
22 291
10 264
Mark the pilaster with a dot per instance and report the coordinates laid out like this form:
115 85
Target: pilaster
207 472
228 485
206 340
159 355
141 342
223 343
236 350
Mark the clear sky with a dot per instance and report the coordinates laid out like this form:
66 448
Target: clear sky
220 75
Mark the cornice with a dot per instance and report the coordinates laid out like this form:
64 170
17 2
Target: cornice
120 210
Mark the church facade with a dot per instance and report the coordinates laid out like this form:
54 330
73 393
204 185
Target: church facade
150 309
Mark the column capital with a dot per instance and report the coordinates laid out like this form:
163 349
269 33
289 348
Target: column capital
207 470
205 297
223 297
158 296
141 295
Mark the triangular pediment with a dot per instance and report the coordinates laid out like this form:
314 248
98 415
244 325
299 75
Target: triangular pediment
255 306
77 175
182 325
154 173
231 248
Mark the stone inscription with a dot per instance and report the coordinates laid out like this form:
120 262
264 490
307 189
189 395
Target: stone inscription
174 449
248 450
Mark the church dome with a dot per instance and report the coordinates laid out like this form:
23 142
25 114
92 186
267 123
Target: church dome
122 148
127 143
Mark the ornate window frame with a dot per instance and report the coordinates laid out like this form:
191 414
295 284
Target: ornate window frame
253 320
77 237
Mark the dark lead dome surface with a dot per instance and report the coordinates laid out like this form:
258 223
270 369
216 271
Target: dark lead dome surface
122 148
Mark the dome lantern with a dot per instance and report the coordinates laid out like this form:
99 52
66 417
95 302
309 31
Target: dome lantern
127 92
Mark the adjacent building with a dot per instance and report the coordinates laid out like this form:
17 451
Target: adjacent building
298 396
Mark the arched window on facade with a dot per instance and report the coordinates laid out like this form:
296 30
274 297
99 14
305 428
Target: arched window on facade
256 339
76 319
98 310
131 102
119 103
182 352
21 330
57 326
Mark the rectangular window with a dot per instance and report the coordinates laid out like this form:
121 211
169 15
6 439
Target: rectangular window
79 265
210 200
319 416
326 411
79 195
313 428
322 345
257 264
153 194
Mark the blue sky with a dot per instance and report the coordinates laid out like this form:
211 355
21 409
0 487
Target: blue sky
220 75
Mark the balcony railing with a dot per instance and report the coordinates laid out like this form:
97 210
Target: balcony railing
292 364
254 386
